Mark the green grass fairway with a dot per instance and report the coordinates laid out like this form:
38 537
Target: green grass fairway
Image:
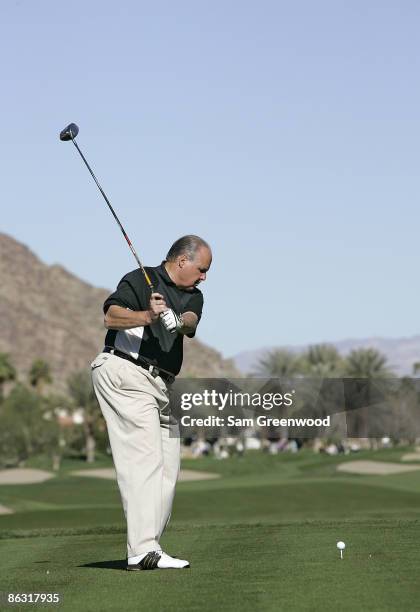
262 537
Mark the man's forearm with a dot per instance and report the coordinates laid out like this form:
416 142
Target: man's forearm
122 318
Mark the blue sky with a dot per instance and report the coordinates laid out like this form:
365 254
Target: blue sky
285 133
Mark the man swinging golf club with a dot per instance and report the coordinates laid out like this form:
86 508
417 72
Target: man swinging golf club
147 318
131 377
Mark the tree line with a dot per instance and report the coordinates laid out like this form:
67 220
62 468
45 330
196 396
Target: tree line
398 417
324 360
35 421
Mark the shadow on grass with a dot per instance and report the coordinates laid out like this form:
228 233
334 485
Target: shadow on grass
115 565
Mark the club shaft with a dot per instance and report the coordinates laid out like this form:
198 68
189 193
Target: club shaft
146 276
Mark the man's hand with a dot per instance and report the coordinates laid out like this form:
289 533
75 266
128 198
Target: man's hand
157 305
171 321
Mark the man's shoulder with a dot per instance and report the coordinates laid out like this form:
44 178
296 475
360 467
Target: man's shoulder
136 277
134 274
137 273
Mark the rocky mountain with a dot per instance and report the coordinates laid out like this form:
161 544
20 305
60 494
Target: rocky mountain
401 353
46 312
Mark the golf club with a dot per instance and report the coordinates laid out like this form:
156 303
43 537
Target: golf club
69 133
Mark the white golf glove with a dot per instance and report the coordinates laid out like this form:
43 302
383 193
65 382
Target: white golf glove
171 321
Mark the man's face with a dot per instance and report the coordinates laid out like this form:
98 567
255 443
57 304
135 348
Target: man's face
192 273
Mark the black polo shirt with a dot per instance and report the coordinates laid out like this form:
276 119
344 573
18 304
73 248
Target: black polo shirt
152 342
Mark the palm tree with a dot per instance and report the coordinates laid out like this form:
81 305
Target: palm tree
322 361
83 396
416 368
363 365
366 363
278 363
7 371
40 375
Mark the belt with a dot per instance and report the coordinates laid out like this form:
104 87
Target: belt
168 377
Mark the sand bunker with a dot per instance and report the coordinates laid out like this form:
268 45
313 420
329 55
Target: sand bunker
109 473
4 510
411 457
375 468
23 476
194 475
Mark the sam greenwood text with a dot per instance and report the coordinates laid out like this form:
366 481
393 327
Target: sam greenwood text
260 421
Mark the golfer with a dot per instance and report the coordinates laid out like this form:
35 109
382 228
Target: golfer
132 376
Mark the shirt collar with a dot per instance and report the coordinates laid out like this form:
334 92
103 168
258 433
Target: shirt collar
161 270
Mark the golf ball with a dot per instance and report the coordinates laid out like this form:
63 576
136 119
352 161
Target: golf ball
341 545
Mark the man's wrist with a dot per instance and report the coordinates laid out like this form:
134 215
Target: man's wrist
146 317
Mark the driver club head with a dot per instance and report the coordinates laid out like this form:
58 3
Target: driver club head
70 132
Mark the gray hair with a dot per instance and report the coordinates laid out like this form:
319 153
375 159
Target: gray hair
187 245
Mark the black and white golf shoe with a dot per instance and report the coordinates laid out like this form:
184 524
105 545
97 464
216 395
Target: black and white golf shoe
157 559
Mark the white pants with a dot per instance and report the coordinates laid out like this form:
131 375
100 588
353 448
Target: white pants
145 446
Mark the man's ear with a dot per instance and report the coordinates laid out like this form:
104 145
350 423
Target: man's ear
182 259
